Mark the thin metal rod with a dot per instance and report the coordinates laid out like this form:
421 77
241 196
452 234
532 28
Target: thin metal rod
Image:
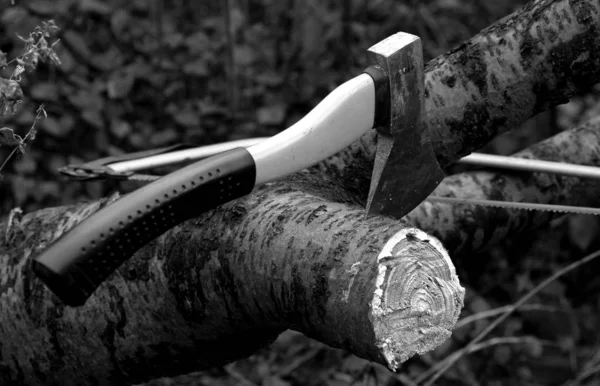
180 156
531 165
477 159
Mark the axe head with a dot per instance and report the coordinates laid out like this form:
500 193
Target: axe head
406 169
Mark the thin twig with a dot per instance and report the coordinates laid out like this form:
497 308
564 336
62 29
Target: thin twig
584 374
31 132
347 32
239 377
232 81
162 53
9 157
299 361
499 310
508 340
438 369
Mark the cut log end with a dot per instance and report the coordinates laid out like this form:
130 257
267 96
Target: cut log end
418 297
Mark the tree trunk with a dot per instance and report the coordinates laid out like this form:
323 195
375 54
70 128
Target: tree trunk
298 253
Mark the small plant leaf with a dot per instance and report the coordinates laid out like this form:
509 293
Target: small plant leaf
197 43
271 115
54 127
10 96
46 91
9 138
120 84
196 68
187 118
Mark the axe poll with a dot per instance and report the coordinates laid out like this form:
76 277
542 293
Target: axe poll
389 96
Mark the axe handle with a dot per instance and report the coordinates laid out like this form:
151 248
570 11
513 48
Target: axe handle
78 262
340 119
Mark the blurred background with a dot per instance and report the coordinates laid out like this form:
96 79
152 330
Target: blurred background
148 73
141 74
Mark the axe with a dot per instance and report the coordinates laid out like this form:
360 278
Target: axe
389 96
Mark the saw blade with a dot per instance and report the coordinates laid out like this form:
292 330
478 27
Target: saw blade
567 209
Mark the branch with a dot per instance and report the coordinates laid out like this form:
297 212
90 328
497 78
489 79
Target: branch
280 258
533 59
519 66
469 228
218 288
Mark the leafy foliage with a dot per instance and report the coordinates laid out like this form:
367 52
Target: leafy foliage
9 138
36 50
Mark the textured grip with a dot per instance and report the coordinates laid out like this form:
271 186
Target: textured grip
79 261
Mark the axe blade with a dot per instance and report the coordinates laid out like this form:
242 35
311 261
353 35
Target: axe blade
402 178
406 169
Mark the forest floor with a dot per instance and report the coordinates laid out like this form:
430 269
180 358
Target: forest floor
142 74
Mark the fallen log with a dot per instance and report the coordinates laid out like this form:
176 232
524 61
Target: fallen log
297 253
280 258
219 287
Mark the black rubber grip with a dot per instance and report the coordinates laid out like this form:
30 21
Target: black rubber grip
79 261
382 95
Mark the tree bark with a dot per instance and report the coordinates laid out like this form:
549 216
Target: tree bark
526 62
469 228
219 287
298 253
533 59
